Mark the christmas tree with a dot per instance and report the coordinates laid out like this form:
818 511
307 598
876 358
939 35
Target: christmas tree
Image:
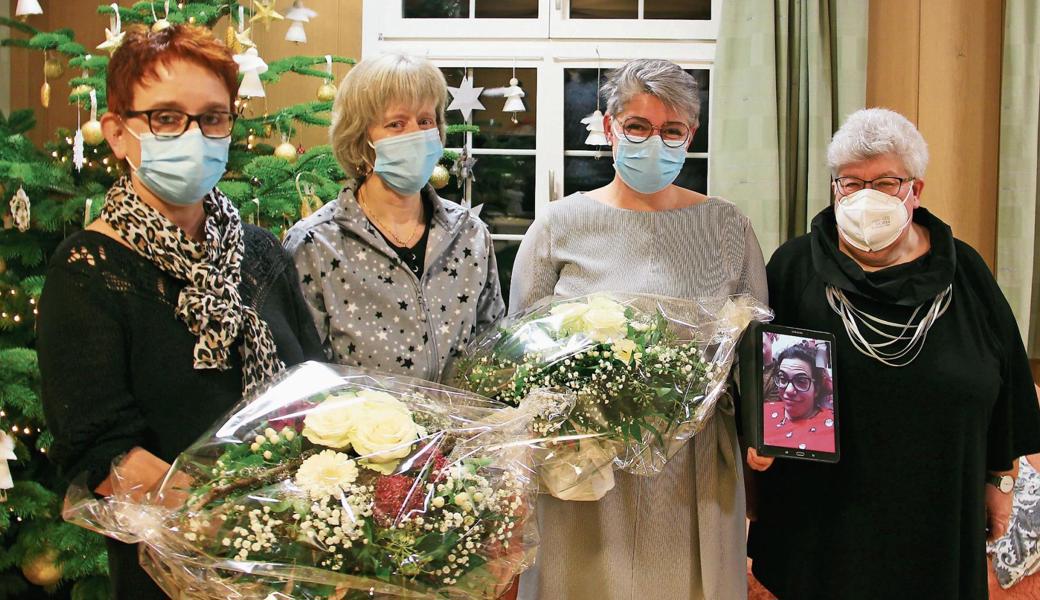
57 189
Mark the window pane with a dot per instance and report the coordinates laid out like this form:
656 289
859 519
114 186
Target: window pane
453 75
700 139
677 9
505 254
582 174
509 9
505 186
579 100
436 9
604 9
497 129
694 175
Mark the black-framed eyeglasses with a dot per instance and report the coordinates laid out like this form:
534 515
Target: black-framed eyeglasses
673 133
885 185
801 382
167 123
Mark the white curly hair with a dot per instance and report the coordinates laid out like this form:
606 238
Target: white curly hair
873 132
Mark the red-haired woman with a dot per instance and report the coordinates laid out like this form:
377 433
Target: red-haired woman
156 318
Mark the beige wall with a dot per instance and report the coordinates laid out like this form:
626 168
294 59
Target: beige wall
938 62
337 30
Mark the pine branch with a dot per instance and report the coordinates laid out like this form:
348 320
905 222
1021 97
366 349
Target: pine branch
18 123
299 65
19 26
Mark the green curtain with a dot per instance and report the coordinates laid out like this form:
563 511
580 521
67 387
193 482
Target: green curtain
786 74
1018 217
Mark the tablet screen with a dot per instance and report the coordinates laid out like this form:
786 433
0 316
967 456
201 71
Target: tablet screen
798 400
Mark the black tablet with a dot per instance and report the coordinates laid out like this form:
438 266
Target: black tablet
789 405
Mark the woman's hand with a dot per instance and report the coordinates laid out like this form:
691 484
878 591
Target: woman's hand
138 474
998 512
756 462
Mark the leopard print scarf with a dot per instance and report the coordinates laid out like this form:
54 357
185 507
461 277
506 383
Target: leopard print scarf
210 303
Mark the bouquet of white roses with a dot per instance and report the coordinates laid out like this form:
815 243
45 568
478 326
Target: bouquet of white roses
335 483
644 373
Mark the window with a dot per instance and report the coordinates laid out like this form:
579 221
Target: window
556 48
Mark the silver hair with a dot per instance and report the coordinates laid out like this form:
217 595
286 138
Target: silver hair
872 132
662 79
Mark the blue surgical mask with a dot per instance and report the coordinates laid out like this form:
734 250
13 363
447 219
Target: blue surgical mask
181 170
405 162
648 166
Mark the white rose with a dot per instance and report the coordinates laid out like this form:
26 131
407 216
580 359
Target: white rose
570 315
329 424
382 430
623 349
606 323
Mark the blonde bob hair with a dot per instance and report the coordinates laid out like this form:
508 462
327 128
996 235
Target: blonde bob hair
364 96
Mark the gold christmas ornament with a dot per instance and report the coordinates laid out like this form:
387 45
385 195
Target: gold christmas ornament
43 569
160 25
92 134
45 94
440 177
52 68
327 92
113 39
266 13
286 151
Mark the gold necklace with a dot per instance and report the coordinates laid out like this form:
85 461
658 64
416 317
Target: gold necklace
400 243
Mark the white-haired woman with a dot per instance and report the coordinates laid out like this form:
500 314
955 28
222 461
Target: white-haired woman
935 394
679 535
396 278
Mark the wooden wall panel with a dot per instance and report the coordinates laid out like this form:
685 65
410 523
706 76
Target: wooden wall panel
337 30
938 62
893 55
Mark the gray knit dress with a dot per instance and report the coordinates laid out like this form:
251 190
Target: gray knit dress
680 534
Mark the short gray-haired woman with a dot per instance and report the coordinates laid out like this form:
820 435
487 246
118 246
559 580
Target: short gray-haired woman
678 535
933 385
396 278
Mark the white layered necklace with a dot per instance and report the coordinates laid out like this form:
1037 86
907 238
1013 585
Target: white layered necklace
899 340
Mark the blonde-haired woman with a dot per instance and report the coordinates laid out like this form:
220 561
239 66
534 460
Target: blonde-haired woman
396 278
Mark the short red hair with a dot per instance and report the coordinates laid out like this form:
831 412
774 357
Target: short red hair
143 49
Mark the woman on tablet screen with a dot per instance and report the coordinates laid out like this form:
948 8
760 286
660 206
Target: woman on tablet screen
801 415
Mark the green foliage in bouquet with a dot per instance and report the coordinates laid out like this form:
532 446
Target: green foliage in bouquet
630 370
343 496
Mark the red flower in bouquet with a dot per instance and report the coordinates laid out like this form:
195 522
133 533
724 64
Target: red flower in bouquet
431 463
397 495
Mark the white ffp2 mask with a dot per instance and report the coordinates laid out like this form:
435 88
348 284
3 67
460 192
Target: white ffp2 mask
871 220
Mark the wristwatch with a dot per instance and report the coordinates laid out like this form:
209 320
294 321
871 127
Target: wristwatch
1004 483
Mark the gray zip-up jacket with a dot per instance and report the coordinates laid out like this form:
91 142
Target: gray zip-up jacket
372 311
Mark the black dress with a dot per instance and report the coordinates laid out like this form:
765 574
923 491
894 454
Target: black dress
117 368
902 515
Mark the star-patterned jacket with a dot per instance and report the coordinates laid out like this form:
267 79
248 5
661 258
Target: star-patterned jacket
372 311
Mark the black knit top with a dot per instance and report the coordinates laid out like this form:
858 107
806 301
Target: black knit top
117 365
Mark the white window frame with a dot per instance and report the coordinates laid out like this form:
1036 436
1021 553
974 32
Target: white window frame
549 57
390 22
562 26
553 21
